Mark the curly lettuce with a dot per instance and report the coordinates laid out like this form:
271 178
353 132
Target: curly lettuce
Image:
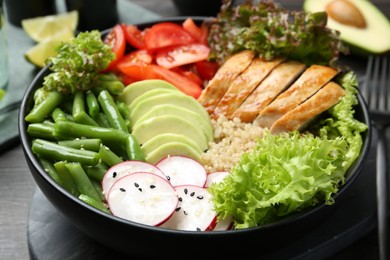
272 31
290 172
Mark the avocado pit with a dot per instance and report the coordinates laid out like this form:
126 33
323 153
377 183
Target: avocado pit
345 12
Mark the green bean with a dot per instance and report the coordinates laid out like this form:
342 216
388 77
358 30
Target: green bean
41 110
56 152
108 156
102 120
96 172
92 104
99 189
123 108
108 77
91 144
67 105
83 118
111 111
107 135
133 149
51 170
58 115
67 180
128 125
41 130
78 111
114 87
83 183
94 203
48 122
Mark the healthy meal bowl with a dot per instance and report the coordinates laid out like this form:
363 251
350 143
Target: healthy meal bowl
154 167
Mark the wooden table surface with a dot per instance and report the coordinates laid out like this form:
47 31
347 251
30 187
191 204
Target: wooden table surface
17 185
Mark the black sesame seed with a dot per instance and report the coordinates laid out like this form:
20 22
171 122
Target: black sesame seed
122 189
178 208
185 212
113 174
192 193
200 197
136 184
185 191
198 229
152 186
140 189
168 178
180 199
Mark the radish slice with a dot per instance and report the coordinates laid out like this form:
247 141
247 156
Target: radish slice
216 177
143 197
125 168
181 170
194 211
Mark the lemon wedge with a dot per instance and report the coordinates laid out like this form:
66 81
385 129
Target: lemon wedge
2 93
38 54
43 28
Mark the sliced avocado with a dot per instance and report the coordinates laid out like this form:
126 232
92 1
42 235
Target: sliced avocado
154 126
170 149
150 93
160 140
136 89
360 23
177 99
169 109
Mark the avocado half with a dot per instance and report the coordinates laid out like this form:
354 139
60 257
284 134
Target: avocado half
360 23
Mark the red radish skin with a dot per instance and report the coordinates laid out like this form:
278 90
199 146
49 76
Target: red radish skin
125 168
216 177
181 170
194 211
143 197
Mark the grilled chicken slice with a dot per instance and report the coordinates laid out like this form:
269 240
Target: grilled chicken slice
312 79
298 117
220 83
243 85
277 81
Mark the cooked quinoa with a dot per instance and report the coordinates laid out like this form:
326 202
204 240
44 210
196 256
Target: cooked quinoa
231 139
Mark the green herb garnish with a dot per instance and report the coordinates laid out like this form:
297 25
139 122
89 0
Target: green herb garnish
78 63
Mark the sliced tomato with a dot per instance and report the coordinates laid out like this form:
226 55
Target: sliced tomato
141 72
195 31
137 71
126 80
116 40
138 56
189 74
181 55
131 63
206 69
182 83
166 34
205 32
134 36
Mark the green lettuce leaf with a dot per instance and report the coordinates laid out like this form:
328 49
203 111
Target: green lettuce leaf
284 173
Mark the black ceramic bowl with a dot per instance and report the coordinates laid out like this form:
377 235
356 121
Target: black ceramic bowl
140 240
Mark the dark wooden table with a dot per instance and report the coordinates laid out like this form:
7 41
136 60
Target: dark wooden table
17 185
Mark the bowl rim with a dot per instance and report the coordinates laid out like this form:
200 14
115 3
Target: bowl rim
291 219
